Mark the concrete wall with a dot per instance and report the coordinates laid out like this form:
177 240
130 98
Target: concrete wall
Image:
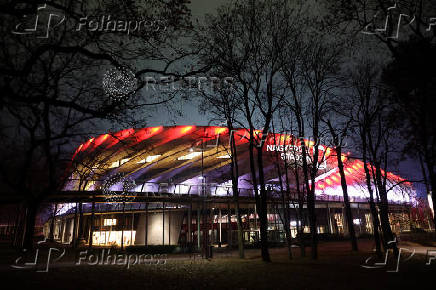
160 233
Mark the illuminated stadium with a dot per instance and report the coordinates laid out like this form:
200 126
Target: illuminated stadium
172 186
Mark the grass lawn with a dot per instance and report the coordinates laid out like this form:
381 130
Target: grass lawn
337 268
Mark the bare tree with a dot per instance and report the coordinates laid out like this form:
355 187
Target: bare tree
338 139
51 85
369 115
248 45
406 32
284 188
224 103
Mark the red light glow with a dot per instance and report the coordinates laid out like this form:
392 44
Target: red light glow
121 135
219 131
100 140
186 129
77 151
146 133
87 144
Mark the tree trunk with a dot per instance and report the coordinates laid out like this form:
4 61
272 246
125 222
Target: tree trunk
235 189
285 207
91 231
122 225
260 209
313 228
310 201
348 212
74 237
389 239
240 232
285 195
373 209
52 223
264 209
80 235
300 214
29 230
375 225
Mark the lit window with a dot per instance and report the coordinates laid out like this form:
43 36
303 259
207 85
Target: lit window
124 160
113 238
115 164
224 156
189 156
356 222
110 222
151 158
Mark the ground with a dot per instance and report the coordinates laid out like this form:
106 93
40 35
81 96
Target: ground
337 268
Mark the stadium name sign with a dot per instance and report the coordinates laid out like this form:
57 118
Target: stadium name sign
294 154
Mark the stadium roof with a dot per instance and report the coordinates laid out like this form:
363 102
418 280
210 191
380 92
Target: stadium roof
184 158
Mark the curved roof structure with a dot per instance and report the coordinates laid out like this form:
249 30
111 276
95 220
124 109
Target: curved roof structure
186 159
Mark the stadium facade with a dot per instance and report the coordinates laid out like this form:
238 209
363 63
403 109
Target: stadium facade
172 186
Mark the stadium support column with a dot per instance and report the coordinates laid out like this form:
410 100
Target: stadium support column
212 237
198 226
163 223
220 227
344 222
189 223
80 235
229 226
146 225
255 217
329 220
131 228
360 220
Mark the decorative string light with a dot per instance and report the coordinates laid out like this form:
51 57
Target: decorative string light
127 192
119 83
